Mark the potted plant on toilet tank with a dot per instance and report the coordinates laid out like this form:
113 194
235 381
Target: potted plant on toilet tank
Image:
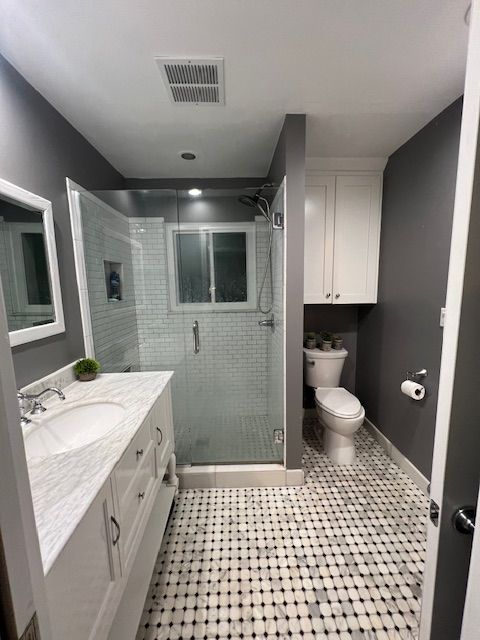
326 341
311 340
337 342
86 369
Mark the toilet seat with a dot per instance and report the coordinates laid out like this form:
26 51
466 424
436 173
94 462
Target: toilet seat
338 402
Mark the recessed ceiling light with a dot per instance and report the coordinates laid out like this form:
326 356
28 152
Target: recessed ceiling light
188 155
195 192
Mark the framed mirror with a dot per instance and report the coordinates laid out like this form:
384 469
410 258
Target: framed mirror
29 266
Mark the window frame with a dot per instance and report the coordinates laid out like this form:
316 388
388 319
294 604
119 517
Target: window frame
210 228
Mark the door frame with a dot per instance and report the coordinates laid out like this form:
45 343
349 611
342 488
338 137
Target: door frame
17 520
455 284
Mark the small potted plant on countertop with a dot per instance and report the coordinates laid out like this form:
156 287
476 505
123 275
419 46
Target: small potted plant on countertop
326 341
337 342
311 341
86 369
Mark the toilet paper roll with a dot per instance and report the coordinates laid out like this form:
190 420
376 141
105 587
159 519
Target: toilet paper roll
413 389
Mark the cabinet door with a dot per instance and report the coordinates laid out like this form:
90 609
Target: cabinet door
162 429
319 226
84 583
357 239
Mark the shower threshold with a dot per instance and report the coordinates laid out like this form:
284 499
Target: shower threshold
210 476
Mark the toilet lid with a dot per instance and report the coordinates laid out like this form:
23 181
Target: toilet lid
338 401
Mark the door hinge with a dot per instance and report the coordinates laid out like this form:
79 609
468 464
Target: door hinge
442 316
434 512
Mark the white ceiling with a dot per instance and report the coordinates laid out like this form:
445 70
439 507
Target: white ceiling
368 73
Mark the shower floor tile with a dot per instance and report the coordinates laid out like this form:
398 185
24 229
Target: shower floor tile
227 439
340 558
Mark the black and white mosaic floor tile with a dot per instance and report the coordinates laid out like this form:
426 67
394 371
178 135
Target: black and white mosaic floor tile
338 559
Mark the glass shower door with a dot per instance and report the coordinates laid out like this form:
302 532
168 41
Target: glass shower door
217 253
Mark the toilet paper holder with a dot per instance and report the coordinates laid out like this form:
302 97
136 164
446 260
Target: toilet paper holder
417 375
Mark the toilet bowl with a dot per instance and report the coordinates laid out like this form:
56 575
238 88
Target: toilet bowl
341 415
338 410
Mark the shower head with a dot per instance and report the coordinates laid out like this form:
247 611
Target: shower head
248 201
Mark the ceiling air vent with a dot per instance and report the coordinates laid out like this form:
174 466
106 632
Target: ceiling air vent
193 80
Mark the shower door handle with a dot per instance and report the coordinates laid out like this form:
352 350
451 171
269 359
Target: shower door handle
196 338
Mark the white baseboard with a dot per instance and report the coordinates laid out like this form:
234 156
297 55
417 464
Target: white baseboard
397 456
238 476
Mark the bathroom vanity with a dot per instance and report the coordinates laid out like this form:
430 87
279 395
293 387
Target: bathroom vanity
101 508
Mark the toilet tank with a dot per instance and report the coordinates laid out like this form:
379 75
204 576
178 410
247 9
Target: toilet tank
323 368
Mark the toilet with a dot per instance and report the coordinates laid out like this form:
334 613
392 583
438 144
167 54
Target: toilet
339 411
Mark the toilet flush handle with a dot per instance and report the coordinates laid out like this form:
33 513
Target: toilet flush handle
311 362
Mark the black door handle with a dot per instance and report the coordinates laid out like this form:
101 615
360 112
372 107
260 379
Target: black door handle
116 538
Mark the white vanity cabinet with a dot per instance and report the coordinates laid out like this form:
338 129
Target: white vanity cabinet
342 238
97 586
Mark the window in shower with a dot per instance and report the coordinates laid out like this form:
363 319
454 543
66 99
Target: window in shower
212 266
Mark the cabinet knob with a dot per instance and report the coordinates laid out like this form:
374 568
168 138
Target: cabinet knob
327 295
139 453
337 295
141 495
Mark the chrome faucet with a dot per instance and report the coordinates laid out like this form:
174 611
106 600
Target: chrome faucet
35 407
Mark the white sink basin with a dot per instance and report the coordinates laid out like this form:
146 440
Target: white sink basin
71 427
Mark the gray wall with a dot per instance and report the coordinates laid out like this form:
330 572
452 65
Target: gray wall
402 330
188 183
341 319
289 159
213 205
39 149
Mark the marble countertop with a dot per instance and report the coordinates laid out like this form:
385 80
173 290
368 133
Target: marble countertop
64 485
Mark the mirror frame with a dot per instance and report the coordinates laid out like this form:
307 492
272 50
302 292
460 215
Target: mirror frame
44 207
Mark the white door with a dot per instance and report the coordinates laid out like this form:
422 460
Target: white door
456 458
319 225
357 239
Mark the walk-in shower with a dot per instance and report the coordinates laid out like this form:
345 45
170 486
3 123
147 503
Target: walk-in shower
182 282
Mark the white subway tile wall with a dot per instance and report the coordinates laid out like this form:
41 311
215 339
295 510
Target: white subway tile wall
223 386
106 236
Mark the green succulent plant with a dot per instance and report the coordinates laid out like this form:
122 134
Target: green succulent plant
86 365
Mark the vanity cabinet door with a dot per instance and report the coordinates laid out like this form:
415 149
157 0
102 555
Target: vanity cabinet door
319 228
357 239
84 583
162 429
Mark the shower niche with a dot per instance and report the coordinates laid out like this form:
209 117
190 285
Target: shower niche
113 280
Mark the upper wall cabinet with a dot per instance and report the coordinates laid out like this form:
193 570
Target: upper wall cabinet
342 236
28 266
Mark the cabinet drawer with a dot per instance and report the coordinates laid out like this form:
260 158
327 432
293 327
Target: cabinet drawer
132 458
137 496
